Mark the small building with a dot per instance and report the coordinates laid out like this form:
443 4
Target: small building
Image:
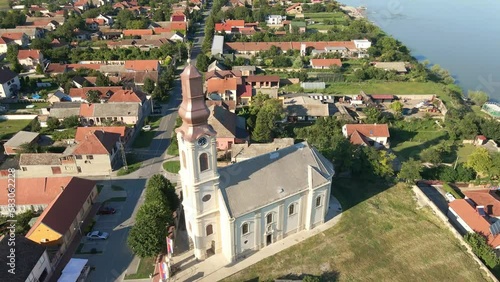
230 128
29 59
376 135
304 108
22 137
242 152
57 97
218 45
294 9
245 70
31 260
313 85
275 20
9 83
325 63
383 98
216 66
300 26
399 67
480 140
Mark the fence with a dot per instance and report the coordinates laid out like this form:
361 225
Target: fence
421 196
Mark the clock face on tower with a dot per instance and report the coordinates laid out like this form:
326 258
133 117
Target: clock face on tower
202 141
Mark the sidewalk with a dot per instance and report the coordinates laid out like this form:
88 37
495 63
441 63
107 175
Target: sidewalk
215 267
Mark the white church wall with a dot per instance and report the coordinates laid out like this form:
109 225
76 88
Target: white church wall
274 229
246 242
292 223
225 230
318 212
206 198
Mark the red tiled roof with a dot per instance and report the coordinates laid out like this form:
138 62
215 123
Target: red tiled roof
326 62
478 223
127 96
369 130
84 66
82 92
358 139
482 137
486 198
285 46
245 91
382 97
293 6
87 110
97 142
138 32
82 131
221 85
62 211
94 20
13 35
35 191
24 54
56 68
178 18
142 65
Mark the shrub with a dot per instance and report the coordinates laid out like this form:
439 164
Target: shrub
455 193
481 248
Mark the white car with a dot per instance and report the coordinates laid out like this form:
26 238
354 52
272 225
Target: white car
449 197
97 235
146 128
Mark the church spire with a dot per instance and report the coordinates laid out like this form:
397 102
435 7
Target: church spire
193 109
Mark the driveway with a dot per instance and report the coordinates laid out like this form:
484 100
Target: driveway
436 195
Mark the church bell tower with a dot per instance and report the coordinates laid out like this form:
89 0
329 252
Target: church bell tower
198 173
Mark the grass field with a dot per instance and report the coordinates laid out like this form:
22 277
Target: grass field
146 267
408 139
464 151
10 127
4 4
172 166
326 20
382 236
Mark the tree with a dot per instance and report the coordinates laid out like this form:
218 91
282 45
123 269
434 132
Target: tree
268 115
482 249
34 125
147 238
29 148
12 51
53 123
397 107
480 160
93 96
297 63
16 67
71 122
431 155
410 171
202 62
149 85
374 115
39 69
123 17
478 97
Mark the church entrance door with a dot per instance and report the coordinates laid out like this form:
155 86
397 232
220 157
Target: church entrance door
269 239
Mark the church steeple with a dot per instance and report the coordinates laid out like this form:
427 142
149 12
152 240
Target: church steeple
193 109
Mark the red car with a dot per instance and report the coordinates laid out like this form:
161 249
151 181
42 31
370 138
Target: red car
106 210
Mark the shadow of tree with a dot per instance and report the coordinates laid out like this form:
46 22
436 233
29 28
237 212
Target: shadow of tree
414 151
399 136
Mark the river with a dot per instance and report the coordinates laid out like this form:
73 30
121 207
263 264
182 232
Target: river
462 36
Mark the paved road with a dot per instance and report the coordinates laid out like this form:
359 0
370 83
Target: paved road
112 264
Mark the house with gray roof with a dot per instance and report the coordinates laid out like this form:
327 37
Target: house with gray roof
22 137
305 108
231 128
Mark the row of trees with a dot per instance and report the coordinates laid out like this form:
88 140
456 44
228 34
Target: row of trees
147 236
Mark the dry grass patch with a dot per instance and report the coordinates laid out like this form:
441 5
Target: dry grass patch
382 236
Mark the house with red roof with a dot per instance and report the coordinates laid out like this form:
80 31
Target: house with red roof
251 48
178 16
294 9
230 128
94 23
30 58
61 220
325 63
376 135
137 32
81 5
96 151
486 198
470 217
266 84
81 94
7 38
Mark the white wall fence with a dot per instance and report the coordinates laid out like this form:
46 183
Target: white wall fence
421 196
17 117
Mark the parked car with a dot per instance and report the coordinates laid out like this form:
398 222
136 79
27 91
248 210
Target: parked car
146 127
106 210
450 197
97 235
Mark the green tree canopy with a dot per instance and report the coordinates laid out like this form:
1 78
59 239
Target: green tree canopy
53 123
478 97
71 122
410 171
93 96
481 161
265 125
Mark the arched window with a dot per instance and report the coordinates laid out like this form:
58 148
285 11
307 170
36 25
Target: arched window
318 201
292 209
203 162
269 218
245 228
183 159
209 229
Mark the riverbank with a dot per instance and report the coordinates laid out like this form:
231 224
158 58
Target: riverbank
353 12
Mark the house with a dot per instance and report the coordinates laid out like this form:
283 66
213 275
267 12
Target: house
399 67
325 63
81 82
469 217
7 38
142 65
80 34
56 227
229 26
218 45
252 48
230 128
81 5
171 26
367 134
81 94
94 23
226 88
98 114
178 16
98 153
137 32
243 207
133 96
29 59
57 97
30 31
486 198
216 66
124 132
107 19
245 70
9 83
267 84
275 20
305 108
242 152
22 137
64 110
31 256
299 26
480 140
294 9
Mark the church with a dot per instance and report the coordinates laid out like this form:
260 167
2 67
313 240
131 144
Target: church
248 205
